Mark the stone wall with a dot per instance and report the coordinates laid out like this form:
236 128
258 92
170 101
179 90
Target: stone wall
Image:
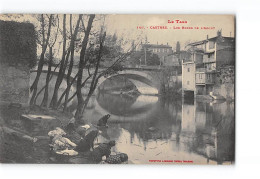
17 56
225 83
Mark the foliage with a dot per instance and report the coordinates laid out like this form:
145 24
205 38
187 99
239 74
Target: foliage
138 58
17 43
178 47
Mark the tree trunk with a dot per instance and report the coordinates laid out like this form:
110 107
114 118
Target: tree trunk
72 46
95 78
46 92
54 99
81 67
41 61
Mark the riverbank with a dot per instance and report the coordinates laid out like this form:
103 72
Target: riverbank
25 137
27 141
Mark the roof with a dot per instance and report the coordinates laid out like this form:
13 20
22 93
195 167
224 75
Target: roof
195 49
156 46
210 39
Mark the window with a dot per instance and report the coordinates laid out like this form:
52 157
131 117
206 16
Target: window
188 82
188 69
211 45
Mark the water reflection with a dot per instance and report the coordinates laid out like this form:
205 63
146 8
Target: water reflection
150 127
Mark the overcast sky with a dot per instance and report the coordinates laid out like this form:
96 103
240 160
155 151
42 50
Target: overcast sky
127 25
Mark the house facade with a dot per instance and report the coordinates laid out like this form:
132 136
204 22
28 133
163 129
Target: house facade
161 50
175 59
208 56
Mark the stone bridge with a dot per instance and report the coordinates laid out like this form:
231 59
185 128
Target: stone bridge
146 79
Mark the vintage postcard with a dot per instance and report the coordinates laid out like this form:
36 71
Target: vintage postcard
117 89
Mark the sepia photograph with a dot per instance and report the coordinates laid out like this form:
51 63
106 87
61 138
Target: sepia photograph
117 89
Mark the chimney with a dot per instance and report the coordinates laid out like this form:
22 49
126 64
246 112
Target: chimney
167 43
207 37
219 33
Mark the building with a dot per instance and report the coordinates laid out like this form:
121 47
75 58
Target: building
207 56
170 60
175 59
160 50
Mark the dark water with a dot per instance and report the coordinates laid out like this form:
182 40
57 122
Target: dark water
144 127
153 128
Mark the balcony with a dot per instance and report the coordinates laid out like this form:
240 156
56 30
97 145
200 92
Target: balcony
208 60
203 78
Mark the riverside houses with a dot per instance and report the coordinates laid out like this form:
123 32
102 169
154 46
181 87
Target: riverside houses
207 57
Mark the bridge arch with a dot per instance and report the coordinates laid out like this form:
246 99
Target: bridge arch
143 81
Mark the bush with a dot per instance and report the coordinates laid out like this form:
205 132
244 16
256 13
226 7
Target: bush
17 43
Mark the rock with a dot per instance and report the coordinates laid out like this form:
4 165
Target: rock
152 129
18 134
15 105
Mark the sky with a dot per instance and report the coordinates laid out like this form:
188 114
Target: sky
125 26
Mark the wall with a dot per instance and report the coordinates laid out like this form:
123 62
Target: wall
225 83
188 76
171 60
17 56
14 83
225 57
198 58
161 51
225 51
200 90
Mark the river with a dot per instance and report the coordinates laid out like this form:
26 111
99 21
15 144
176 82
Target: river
151 129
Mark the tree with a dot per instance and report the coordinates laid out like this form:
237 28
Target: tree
106 52
80 106
54 99
178 47
152 59
50 64
44 44
72 47
137 58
